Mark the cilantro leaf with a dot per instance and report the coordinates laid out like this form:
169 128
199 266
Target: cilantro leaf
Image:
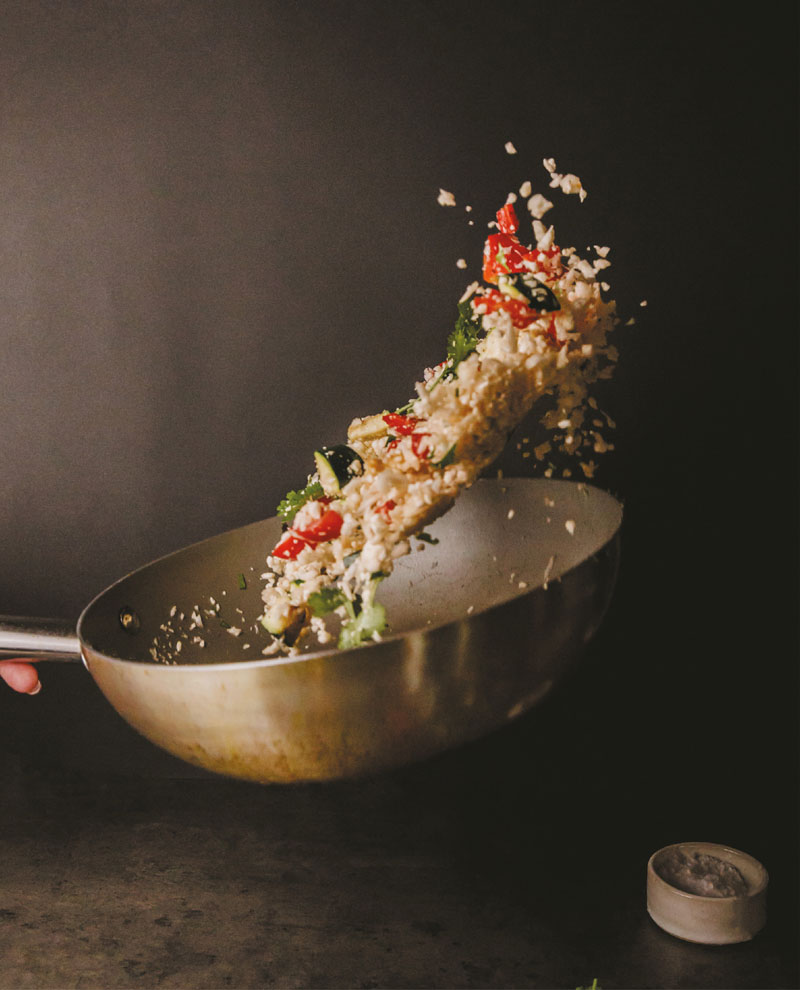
464 338
294 501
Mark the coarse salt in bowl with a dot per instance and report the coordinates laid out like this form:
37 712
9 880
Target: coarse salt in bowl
705 892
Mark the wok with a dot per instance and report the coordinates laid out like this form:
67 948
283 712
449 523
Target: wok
483 624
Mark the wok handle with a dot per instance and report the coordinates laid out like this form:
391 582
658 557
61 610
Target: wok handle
38 639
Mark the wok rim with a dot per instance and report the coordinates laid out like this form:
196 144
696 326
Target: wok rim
324 654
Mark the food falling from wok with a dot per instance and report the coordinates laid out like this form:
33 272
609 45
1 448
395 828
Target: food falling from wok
536 327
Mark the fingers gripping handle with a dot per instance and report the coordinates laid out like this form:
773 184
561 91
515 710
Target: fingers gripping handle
41 639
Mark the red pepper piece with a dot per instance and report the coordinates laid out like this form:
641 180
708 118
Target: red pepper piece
289 547
548 261
502 254
521 314
327 527
421 445
386 508
507 219
402 425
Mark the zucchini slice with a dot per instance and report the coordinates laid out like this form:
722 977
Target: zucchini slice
285 621
336 466
368 428
528 289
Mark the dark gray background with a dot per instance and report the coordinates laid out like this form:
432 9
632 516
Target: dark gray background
220 241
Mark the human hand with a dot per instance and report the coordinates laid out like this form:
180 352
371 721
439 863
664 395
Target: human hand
21 676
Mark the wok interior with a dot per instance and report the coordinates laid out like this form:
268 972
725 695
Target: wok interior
501 540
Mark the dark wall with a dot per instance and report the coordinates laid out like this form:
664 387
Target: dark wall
221 241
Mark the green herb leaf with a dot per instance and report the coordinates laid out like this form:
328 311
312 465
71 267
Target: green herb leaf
448 458
242 582
427 538
464 338
294 501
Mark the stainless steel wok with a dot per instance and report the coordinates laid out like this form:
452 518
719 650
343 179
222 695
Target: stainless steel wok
483 623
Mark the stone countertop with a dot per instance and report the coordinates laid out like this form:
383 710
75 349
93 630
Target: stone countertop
517 861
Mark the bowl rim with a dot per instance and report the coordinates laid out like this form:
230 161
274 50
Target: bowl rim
714 848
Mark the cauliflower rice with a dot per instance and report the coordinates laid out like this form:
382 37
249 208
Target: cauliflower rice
537 327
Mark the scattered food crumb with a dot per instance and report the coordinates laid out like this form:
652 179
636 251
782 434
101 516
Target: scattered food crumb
548 571
538 206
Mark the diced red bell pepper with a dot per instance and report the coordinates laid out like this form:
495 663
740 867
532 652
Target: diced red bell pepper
421 445
521 314
289 547
400 424
502 254
507 219
548 261
385 508
327 527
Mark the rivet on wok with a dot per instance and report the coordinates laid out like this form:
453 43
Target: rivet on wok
129 620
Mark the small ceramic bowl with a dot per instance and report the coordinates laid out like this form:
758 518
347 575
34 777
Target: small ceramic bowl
698 917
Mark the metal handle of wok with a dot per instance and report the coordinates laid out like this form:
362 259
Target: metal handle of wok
38 639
